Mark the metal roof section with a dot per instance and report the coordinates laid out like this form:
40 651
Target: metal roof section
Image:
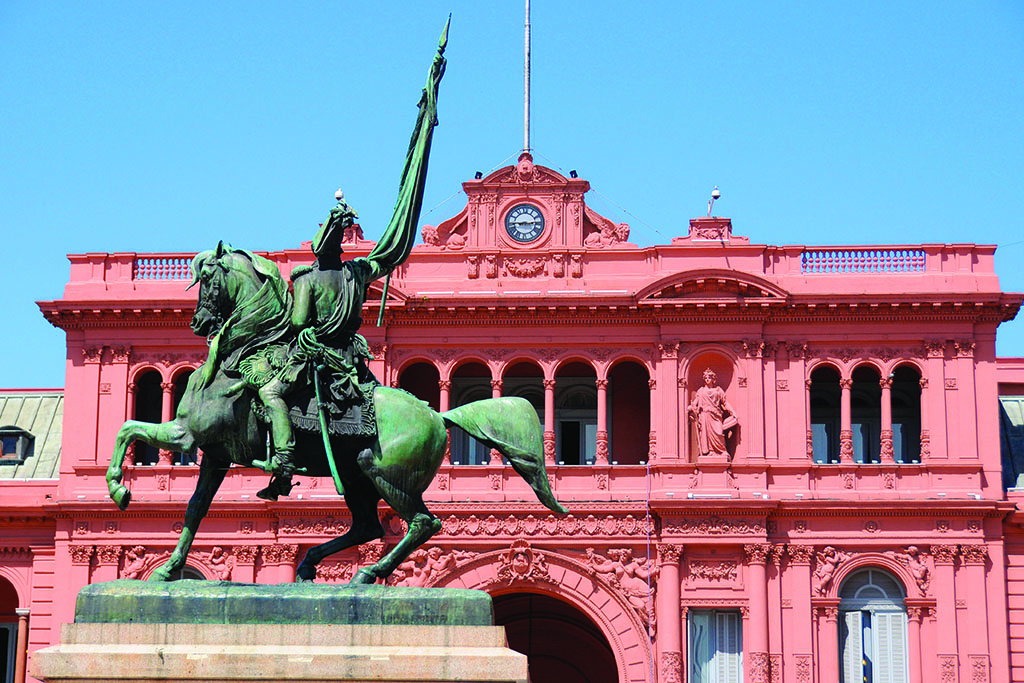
38 413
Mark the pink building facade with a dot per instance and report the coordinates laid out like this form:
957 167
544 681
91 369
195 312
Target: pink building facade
856 524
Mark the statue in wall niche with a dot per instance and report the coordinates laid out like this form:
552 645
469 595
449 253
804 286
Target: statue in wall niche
712 415
286 388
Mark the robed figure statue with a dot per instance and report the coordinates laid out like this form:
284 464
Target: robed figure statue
713 416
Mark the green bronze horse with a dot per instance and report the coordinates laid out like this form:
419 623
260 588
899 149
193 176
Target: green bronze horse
243 307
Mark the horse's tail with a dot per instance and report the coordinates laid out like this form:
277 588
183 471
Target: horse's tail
510 425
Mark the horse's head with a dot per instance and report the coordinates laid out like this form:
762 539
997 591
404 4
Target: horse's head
226 278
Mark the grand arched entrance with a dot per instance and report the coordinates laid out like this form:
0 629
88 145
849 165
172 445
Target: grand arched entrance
8 630
562 644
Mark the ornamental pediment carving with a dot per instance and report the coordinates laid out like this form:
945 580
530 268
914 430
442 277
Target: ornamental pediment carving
712 284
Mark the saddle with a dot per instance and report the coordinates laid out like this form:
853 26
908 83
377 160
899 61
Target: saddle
349 419
345 416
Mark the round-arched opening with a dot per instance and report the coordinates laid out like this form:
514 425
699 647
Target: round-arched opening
471 382
148 408
825 400
713 427
562 644
422 381
906 414
8 628
188 573
576 414
180 384
629 412
872 627
866 414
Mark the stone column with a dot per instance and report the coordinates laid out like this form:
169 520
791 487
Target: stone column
21 654
496 387
973 565
935 420
683 421
444 403
886 450
652 439
755 398
926 440
283 556
757 591
670 622
81 558
549 421
845 422
809 448
602 422
166 415
945 607
107 559
801 634
667 411
914 614
828 641
245 563
775 612
966 400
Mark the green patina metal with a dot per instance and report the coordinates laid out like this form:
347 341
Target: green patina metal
247 312
223 602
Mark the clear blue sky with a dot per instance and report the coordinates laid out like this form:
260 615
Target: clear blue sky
137 126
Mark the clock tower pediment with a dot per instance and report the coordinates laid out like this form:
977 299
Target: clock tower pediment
525 207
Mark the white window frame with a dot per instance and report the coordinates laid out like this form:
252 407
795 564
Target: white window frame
710 660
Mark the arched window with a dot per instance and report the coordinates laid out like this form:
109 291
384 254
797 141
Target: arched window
629 412
421 380
906 414
872 628
825 398
470 382
866 414
8 629
576 414
148 408
180 384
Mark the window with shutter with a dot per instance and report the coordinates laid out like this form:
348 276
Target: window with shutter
873 628
715 646
851 644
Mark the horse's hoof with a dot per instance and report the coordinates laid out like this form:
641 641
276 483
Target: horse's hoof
305 574
121 496
364 577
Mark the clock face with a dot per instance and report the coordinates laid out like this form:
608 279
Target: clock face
524 223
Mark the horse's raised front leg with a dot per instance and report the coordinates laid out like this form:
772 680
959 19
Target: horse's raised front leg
211 475
171 436
361 498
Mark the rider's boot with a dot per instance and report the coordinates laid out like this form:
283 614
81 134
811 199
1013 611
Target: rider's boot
278 486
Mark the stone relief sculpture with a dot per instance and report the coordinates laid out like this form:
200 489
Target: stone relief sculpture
712 415
829 560
635 578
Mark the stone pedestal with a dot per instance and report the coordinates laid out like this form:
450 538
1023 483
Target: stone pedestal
218 632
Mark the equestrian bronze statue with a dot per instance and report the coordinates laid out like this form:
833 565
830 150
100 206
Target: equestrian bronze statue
291 373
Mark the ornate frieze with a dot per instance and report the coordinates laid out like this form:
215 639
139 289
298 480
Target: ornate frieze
713 571
331 526
548 525
714 526
429 566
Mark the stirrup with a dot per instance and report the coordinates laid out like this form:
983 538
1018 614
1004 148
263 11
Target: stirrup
278 486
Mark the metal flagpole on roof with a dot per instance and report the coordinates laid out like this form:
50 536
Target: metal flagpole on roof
526 82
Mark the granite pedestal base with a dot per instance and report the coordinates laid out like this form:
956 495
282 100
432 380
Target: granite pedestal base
214 632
